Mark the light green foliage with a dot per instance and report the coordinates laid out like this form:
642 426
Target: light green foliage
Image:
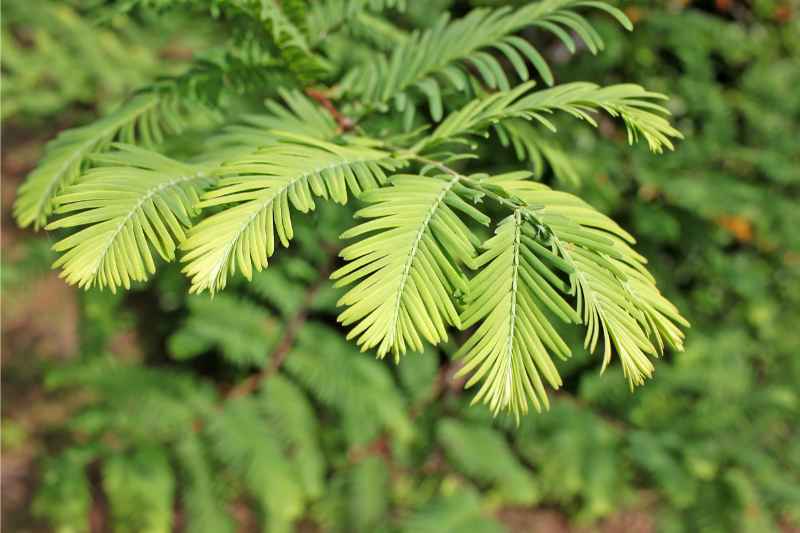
405 277
426 60
293 113
144 206
630 102
511 344
407 262
615 293
420 134
143 118
263 185
537 148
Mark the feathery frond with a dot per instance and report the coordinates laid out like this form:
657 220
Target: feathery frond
283 23
214 76
327 15
377 31
461 510
359 18
295 114
144 118
202 495
64 479
137 202
430 61
531 145
144 403
286 24
407 272
263 185
616 295
555 236
275 287
551 256
368 484
509 350
482 453
633 104
69 60
140 487
291 414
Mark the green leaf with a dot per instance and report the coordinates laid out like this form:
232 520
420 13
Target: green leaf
633 104
291 413
435 58
201 494
295 114
64 496
358 388
532 145
136 203
616 295
143 117
482 453
263 185
368 494
510 349
242 440
459 510
407 269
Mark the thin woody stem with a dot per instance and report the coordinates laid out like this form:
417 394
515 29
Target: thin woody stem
344 122
284 347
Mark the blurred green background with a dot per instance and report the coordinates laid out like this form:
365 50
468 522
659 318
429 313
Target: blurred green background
102 393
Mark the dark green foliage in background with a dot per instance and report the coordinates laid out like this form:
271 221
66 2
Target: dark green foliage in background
339 439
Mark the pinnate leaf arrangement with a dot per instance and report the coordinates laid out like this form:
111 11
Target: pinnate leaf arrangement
286 121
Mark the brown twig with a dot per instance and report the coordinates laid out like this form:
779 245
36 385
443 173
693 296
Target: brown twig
282 350
284 346
344 122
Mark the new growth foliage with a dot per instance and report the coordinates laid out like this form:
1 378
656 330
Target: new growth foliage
404 155
418 266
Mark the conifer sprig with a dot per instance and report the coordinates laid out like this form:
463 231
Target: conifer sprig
415 265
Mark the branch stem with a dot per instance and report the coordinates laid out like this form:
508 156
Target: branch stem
284 346
511 203
344 122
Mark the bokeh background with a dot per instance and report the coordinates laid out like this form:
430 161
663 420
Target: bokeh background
101 392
